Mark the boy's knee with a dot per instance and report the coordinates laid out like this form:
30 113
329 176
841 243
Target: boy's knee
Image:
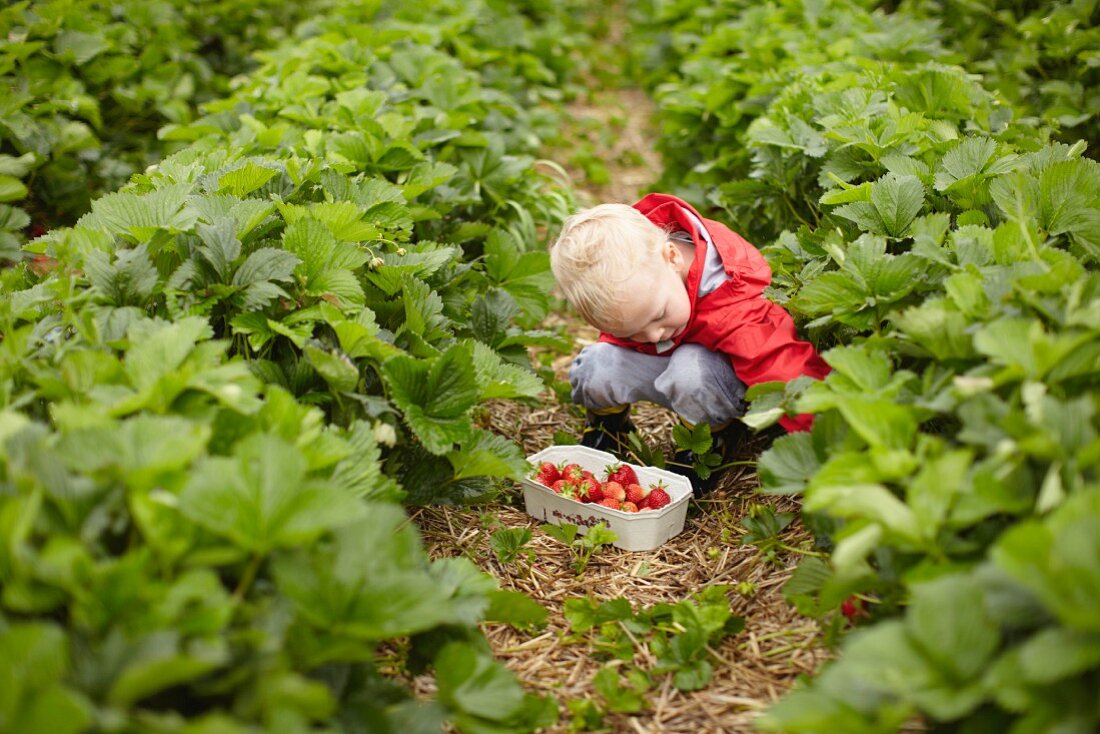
591 373
695 362
702 386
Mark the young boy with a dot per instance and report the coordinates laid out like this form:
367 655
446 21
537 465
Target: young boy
684 323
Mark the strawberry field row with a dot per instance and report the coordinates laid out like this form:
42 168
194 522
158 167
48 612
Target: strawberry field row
932 236
215 385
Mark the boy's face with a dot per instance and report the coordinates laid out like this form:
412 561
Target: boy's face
657 306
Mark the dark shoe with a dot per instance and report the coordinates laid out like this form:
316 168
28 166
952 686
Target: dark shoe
608 432
726 443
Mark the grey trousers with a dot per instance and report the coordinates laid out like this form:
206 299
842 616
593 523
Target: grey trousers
694 382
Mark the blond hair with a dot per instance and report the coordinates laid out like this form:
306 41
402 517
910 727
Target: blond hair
598 250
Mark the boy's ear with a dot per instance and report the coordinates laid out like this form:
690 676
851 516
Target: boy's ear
672 254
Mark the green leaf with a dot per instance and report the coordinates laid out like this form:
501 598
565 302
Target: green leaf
898 200
507 542
33 661
266 264
488 454
496 379
435 395
159 663
971 158
129 280
159 348
338 371
1059 559
880 422
516 608
866 501
1056 653
948 621
789 464
472 683
142 215
11 189
79 47
246 179
370 582
261 499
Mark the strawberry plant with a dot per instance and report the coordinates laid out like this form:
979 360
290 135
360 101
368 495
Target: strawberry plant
679 638
584 546
1042 55
216 386
88 85
919 222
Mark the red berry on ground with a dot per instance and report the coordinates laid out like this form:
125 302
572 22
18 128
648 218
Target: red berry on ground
853 608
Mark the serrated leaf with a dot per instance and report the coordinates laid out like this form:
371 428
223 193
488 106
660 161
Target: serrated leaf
370 582
435 395
497 379
141 215
266 264
337 370
261 499
898 199
809 577
129 280
789 464
486 454
158 348
246 179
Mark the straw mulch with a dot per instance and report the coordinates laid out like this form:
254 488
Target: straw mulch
752 668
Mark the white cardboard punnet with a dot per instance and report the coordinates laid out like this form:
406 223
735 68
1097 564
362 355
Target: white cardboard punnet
637 531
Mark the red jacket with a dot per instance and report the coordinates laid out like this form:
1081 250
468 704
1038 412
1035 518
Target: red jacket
736 318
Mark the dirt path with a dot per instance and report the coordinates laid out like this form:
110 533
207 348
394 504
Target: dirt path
612 159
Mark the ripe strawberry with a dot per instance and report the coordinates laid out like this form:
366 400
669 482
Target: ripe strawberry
559 486
621 473
614 490
611 502
635 493
629 507
572 472
547 473
594 493
657 498
584 489
570 490
853 608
